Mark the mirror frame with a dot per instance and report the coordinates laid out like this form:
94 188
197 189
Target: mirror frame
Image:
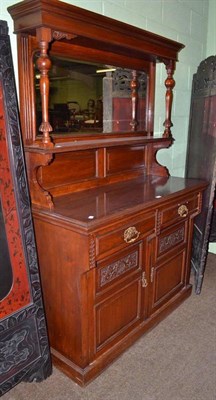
90 37
29 46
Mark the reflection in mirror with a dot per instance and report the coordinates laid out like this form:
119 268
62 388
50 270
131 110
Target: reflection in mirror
93 98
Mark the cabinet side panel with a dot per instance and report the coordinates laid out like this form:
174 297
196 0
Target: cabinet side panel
63 259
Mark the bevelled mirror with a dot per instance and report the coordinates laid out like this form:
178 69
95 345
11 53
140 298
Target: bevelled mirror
92 98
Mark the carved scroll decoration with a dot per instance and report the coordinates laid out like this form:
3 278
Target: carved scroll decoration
62 35
117 268
170 84
171 240
39 195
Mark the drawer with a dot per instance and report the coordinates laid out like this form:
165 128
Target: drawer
179 210
124 234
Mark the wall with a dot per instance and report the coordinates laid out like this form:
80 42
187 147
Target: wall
211 33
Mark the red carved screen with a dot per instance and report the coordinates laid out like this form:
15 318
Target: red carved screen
18 294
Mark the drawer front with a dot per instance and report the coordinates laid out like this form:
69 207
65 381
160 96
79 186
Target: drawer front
122 235
180 210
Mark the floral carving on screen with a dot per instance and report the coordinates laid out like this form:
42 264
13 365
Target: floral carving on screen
24 347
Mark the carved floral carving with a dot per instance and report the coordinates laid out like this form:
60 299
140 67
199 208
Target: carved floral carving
117 268
62 35
205 77
171 240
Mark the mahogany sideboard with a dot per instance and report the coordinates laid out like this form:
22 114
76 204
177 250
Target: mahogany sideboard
113 229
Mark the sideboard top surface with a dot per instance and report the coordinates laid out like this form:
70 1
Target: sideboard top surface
92 207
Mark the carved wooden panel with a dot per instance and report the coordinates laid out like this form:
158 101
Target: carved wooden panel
168 241
18 294
24 348
118 268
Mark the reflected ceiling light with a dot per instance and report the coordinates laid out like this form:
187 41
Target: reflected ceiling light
100 71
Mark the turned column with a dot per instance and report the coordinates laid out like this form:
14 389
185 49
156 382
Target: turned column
170 84
134 100
44 64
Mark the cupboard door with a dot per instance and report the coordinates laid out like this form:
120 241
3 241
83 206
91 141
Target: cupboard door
168 270
168 279
120 295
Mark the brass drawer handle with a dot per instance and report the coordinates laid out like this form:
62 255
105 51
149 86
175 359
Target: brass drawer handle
183 211
131 234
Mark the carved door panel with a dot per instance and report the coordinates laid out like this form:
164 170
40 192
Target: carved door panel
24 348
201 160
121 298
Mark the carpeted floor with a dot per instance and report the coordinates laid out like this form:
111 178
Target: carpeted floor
175 361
